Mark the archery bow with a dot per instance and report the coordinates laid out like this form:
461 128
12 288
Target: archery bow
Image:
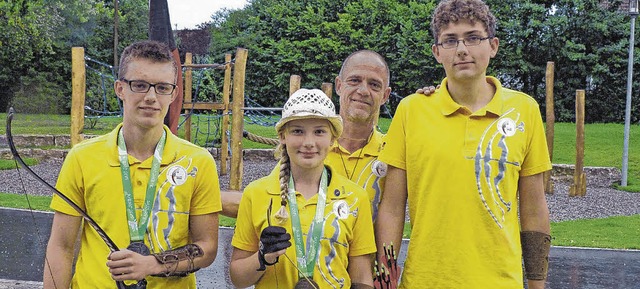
112 246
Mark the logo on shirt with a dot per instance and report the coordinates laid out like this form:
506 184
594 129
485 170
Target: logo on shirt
176 175
379 168
341 209
506 127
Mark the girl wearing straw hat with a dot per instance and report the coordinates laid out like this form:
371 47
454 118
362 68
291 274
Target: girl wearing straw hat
303 226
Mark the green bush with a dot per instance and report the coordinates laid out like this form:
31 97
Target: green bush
38 95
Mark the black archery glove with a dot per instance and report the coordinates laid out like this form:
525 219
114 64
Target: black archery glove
272 239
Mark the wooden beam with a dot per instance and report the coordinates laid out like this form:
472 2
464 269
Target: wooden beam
579 187
224 139
550 122
79 89
237 119
188 87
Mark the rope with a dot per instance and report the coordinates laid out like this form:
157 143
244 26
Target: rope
260 139
263 118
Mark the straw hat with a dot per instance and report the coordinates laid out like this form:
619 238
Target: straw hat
310 103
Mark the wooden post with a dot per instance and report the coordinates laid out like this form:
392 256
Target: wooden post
294 83
224 140
551 120
579 187
327 88
237 118
188 88
79 85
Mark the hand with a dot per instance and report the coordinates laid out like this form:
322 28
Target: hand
387 271
274 241
128 265
428 90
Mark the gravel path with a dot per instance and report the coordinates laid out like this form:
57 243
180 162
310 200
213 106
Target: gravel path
600 200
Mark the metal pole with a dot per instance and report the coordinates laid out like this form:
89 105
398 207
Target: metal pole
627 112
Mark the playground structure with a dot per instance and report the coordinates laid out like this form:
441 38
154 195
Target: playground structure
233 102
233 89
231 107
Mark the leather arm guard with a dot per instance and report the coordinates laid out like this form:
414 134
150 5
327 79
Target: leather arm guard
170 259
535 252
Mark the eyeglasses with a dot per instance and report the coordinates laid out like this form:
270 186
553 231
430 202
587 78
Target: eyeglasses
142 86
468 41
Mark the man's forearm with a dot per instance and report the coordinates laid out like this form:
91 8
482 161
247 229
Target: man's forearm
230 203
391 212
388 229
57 269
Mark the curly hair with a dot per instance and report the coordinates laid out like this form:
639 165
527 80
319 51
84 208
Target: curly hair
148 49
451 11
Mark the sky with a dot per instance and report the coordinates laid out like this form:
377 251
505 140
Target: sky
190 13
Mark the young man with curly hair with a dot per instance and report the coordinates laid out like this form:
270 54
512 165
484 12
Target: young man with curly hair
469 159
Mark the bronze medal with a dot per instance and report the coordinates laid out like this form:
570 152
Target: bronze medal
139 247
142 249
306 284
142 284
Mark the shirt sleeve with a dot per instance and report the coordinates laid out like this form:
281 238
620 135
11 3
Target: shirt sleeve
69 183
206 197
537 158
394 143
244 235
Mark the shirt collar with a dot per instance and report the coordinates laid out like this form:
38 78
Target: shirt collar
372 148
495 106
273 188
169 154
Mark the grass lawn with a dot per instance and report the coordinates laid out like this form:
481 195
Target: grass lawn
619 232
11 164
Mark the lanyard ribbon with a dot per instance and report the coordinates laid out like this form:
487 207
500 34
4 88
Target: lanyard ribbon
306 262
137 229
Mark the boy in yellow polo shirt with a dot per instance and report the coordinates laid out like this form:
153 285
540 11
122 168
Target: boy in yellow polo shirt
154 194
469 159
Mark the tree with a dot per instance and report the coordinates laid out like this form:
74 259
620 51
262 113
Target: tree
586 40
28 30
311 38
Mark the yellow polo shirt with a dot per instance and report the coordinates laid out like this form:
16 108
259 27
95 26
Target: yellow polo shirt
347 229
462 179
362 167
91 177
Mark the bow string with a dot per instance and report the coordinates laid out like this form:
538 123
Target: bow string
103 235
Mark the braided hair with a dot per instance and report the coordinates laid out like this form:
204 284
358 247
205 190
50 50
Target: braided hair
285 173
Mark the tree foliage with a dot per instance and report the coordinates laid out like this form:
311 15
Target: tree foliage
587 41
311 38
36 41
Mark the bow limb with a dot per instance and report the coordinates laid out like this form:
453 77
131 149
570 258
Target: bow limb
112 246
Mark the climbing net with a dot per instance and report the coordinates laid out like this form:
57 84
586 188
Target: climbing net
100 99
